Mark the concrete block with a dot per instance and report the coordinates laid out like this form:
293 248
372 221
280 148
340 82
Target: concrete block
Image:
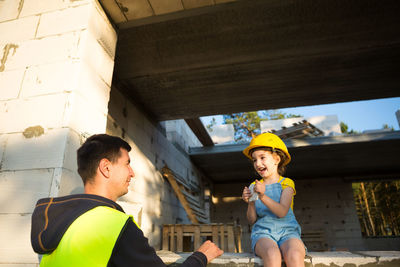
113 128
188 4
102 30
34 7
3 142
84 117
18 30
163 7
19 114
55 182
36 52
135 113
328 124
138 136
44 151
66 76
9 9
70 157
10 83
92 87
93 54
15 244
223 134
50 78
28 185
133 209
340 259
70 183
65 20
117 108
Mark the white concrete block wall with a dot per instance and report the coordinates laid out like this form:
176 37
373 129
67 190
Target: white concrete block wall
151 150
15 240
9 10
221 134
23 29
44 151
56 64
328 204
13 81
179 133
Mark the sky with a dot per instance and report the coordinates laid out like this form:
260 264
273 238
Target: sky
358 115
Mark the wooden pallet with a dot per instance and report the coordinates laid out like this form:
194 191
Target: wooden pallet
189 201
226 236
314 240
298 130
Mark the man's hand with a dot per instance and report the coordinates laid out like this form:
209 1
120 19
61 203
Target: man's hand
211 250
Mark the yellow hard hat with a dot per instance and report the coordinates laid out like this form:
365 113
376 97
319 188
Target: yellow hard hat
267 140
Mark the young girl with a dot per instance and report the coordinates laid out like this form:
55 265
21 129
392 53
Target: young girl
275 228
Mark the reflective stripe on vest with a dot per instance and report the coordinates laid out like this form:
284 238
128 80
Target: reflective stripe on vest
90 239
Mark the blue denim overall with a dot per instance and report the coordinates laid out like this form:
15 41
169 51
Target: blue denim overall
271 226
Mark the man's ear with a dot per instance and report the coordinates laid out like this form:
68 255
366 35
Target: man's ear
104 167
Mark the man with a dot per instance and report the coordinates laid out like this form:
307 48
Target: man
91 229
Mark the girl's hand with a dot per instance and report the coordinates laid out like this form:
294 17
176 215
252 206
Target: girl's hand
259 188
246 194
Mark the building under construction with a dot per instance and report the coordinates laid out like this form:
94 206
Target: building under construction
70 69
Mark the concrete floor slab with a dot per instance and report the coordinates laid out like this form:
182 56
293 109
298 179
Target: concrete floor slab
313 259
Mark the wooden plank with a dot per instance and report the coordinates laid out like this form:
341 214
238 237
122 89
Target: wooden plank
200 219
231 239
199 212
238 238
179 238
197 240
165 237
215 234
187 194
170 177
222 237
192 201
172 238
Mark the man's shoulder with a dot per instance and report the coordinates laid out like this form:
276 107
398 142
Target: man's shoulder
79 200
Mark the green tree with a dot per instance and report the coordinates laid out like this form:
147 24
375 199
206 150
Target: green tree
377 204
247 124
344 128
386 126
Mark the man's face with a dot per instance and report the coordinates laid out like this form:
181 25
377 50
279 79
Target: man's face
121 174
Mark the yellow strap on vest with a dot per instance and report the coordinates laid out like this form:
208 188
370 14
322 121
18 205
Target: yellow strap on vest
90 239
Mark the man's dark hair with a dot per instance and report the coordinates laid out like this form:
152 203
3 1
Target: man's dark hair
96 148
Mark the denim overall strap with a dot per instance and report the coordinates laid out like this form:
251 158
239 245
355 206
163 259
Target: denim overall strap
268 224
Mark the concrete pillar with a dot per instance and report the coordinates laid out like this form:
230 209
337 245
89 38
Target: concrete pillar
398 117
56 63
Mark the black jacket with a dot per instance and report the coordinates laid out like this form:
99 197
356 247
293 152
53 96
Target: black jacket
131 249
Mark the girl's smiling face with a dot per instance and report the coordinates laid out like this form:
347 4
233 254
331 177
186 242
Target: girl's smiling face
265 163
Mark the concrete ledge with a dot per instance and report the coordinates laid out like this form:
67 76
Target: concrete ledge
313 259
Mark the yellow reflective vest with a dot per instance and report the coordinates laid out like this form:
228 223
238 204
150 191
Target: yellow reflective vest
89 240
